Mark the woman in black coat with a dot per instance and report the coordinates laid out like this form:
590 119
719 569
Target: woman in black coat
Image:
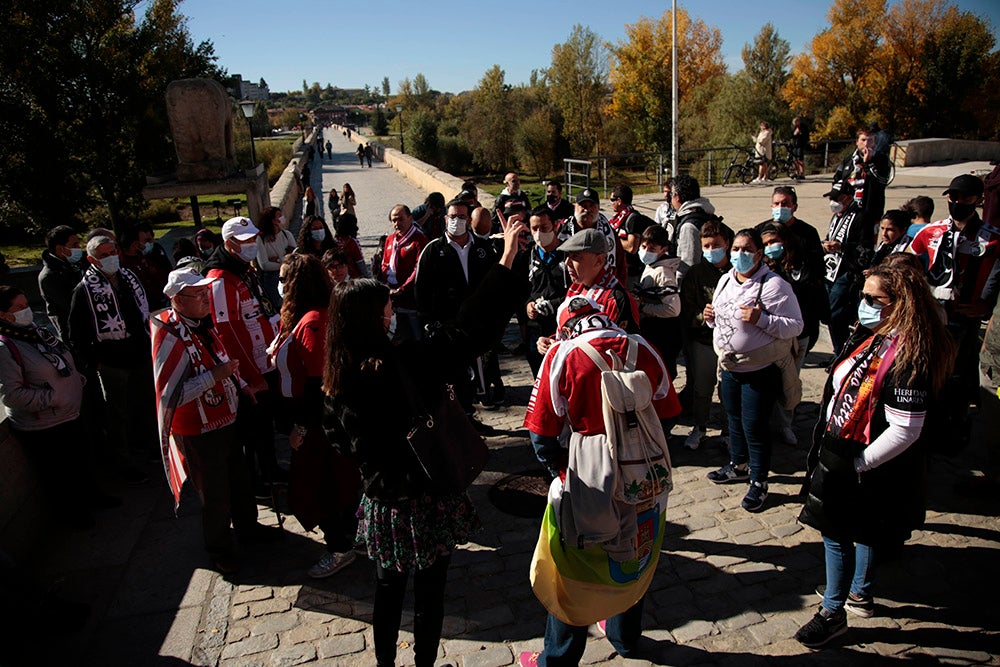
405 522
864 475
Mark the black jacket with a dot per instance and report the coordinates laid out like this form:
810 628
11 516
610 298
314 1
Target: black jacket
440 286
881 506
548 281
372 430
56 282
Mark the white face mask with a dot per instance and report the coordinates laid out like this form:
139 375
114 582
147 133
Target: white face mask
836 207
75 255
455 226
543 239
281 289
109 264
248 252
24 318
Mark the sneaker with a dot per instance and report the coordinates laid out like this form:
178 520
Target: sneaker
730 473
857 605
823 627
331 563
226 563
693 440
528 659
756 495
788 436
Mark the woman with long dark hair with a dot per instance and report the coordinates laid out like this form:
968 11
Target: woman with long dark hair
348 200
324 486
314 237
405 521
865 471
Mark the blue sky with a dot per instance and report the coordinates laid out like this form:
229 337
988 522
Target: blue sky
453 43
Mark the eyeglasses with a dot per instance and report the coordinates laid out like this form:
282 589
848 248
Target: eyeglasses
872 299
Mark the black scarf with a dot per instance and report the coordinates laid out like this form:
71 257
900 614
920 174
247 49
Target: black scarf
43 339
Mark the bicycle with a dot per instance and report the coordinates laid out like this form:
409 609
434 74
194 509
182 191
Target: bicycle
741 171
787 165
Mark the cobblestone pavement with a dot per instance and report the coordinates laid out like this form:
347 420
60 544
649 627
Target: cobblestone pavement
731 587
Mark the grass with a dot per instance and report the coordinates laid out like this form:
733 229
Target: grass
22 255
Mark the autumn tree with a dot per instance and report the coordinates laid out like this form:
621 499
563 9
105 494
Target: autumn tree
578 83
641 74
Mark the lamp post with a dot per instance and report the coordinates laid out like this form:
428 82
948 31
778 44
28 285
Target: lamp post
302 126
247 107
402 146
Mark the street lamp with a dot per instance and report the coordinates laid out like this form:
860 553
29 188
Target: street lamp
302 125
247 107
402 146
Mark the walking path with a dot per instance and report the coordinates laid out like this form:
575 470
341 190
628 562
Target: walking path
731 587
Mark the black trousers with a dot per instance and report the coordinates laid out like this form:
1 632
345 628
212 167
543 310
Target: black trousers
255 429
428 612
59 456
219 473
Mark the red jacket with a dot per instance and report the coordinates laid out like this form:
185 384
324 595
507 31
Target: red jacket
245 330
408 249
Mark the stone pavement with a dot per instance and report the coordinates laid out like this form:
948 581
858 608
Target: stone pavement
731 587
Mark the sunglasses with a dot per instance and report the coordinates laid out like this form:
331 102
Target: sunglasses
873 300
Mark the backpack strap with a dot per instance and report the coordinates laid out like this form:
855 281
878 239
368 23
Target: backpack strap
594 355
631 356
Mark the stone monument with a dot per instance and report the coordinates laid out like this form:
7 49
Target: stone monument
201 121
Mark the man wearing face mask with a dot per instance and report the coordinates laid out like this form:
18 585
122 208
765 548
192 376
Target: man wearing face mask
784 205
587 215
848 247
561 209
867 171
962 255
693 211
629 224
548 279
135 257
109 334
247 324
450 267
61 266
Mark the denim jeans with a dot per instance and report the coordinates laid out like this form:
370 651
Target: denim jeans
849 569
749 399
843 293
564 644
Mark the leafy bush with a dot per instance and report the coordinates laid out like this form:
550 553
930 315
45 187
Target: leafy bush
161 210
453 156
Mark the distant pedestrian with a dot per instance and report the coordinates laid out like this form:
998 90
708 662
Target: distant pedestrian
361 155
348 200
368 153
762 150
329 149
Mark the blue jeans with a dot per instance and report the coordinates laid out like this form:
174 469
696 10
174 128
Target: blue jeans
843 293
564 644
749 399
849 569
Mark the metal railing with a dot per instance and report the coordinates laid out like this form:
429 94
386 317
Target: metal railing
646 171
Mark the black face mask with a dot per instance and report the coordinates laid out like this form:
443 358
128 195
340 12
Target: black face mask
959 211
552 199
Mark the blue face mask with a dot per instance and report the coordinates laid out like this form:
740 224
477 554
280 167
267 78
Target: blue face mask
714 256
742 261
147 248
775 251
781 214
318 235
869 316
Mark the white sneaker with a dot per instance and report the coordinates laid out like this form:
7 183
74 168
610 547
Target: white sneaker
694 439
788 436
331 563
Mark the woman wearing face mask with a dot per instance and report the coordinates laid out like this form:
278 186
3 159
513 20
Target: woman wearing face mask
753 313
273 243
314 238
323 486
346 228
42 391
864 489
783 255
405 522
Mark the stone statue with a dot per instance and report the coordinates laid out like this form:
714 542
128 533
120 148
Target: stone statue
201 121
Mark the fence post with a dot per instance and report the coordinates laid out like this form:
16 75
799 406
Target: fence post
826 155
709 167
659 170
604 168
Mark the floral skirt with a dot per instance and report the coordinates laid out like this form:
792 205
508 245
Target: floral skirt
411 534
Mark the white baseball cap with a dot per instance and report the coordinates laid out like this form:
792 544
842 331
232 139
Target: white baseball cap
239 228
181 278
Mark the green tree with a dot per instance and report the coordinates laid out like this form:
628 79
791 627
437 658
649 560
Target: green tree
535 142
421 136
385 87
489 126
753 94
578 80
85 81
380 126
260 124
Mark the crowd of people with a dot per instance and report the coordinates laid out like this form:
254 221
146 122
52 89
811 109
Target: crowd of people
199 362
